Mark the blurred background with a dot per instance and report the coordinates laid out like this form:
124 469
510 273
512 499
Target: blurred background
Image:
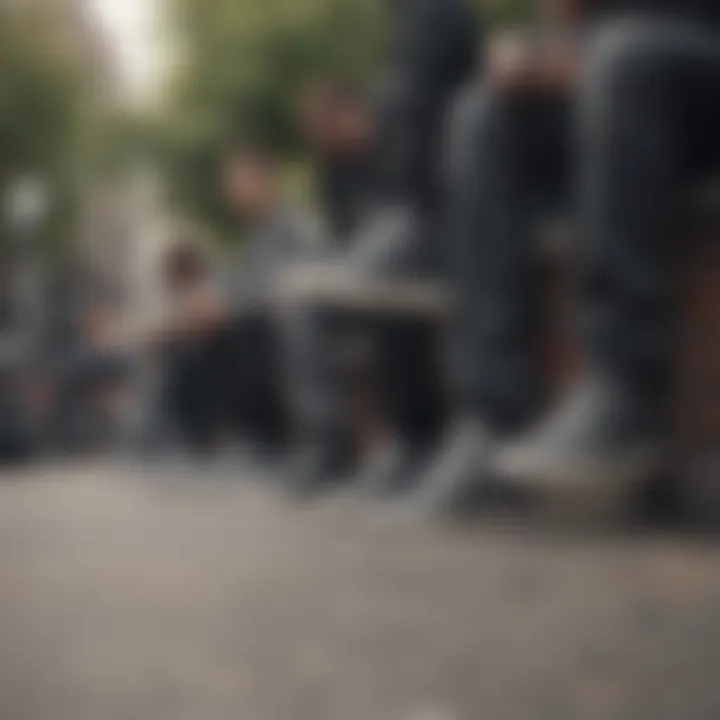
153 563
115 115
115 121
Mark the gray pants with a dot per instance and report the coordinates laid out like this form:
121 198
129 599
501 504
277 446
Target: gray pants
314 378
645 122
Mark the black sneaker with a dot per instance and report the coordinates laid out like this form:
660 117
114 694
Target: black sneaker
599 434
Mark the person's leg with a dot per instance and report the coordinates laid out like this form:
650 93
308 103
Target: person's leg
504 154
316 395
411 379
650 86
266 412
233 367
192 399
647 87
413 399
172 390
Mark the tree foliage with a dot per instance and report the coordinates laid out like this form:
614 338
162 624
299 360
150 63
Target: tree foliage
46 105
241 62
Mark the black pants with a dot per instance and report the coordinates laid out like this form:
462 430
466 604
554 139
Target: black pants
19 438
248 365
228 382
644 123
408 376
193 393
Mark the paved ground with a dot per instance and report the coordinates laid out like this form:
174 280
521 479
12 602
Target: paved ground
128 598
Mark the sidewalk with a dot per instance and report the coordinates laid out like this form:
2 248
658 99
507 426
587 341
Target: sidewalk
215 599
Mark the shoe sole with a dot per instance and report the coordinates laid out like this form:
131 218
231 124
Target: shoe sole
538 472
585 492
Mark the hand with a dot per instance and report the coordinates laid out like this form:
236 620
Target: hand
517 65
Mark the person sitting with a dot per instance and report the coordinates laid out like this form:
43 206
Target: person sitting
339 126
384 207
224 371
622 100
191 391
278 234
81 376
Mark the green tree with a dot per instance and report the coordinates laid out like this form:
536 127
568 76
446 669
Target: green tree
241 63
47 119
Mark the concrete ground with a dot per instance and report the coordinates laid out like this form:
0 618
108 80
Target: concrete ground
142 596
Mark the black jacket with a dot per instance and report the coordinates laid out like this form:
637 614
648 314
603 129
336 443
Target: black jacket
434 45
350 188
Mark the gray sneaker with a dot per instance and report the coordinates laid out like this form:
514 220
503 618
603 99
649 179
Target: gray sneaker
599 434
462 481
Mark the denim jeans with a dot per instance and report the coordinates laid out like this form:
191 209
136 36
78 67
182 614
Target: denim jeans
643 124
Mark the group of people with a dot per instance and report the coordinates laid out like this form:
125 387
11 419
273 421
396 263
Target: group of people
62 385
607 111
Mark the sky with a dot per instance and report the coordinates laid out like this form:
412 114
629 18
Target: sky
131 28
